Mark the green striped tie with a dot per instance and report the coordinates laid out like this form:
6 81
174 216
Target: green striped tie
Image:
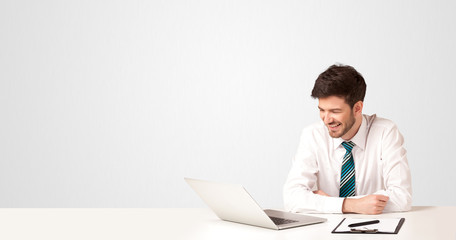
347 176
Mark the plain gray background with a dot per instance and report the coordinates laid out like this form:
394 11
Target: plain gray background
112 103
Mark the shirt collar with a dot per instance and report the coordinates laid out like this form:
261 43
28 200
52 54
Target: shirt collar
359 139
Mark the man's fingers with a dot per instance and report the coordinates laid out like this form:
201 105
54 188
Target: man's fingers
380 204
382 198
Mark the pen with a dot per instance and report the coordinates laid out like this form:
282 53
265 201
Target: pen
363 223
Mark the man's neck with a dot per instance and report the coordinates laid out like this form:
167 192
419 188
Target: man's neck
354 130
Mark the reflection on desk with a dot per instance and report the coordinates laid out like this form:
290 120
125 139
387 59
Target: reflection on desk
201 223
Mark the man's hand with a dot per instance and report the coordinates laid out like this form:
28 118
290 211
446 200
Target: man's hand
371 204
320 192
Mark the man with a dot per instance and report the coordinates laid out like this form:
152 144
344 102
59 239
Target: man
349 162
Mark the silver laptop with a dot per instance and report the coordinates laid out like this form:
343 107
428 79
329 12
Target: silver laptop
233 203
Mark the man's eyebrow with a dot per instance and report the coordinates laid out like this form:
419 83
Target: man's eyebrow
331 109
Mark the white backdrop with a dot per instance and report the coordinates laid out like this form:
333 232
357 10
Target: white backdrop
112 103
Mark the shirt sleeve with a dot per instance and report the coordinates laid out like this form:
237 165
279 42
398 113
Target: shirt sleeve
396 172
302 181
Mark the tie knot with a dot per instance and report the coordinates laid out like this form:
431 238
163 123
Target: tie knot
348 145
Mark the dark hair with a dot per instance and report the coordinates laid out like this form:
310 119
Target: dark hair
342 81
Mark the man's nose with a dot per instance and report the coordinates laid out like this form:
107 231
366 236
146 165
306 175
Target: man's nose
327 118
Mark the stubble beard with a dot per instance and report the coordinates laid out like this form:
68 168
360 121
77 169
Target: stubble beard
345 130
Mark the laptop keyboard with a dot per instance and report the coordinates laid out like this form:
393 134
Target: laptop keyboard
280 221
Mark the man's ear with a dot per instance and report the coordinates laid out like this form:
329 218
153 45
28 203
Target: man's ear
358 107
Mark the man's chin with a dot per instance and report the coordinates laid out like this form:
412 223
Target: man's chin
335 134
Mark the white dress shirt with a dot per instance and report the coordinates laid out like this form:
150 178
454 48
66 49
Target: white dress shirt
381 167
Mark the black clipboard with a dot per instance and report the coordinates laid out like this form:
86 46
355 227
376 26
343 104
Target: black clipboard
399 225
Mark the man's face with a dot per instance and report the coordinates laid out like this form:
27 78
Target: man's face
337 115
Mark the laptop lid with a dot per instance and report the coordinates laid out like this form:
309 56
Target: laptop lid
232 202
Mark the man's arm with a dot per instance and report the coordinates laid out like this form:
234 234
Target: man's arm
302 181
396 172
299 197
370 204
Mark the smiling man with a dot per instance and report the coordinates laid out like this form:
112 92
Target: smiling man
349 162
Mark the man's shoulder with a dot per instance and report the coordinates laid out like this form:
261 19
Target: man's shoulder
378 123
316 130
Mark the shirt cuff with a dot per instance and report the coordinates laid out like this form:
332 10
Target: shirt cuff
331 204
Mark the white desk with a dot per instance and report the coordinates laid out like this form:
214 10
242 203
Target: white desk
421 223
